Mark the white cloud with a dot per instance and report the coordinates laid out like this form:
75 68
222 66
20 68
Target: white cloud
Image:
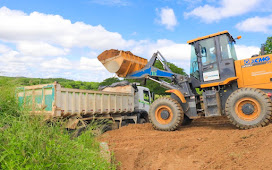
8 55
54 29
57 63
172 52
244 52
41 45
90 64
227 8
256 24
3 48
13 69
167 47
10 64
40 49
167 18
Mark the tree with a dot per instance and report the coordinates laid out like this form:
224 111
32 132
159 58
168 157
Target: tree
268 46
155 87
109 81
66 83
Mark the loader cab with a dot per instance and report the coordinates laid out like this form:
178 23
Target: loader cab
212 58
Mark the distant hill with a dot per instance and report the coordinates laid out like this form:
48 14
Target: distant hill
23 81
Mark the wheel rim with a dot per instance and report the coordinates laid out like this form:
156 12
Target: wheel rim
164 114
248 109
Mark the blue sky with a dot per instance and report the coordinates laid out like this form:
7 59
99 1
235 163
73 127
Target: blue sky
60 38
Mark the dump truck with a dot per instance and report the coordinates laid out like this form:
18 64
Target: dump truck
128 102
238 89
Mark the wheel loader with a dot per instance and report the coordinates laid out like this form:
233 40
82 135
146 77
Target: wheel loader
238 89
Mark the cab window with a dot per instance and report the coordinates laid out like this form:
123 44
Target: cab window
207 51
146 96
194 64
227 47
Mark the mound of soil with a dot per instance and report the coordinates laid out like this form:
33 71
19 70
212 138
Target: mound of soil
205 144
108 54
111 53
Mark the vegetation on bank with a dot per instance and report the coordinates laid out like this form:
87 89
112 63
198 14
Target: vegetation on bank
153 86
23 81
28 142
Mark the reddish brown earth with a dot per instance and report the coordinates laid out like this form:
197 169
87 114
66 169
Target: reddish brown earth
108 54
205 144
111 53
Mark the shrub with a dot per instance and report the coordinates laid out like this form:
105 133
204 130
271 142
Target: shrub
28 142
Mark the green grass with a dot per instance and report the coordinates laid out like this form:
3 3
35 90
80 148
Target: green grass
28 142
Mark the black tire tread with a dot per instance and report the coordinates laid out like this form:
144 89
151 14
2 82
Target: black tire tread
179 113
266 119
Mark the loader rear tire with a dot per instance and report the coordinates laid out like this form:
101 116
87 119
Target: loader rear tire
166 114
248 108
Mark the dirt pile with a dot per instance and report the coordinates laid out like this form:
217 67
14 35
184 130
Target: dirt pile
112 53
205 144
108 54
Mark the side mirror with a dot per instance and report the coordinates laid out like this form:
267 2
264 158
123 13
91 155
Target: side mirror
152 96
203 55
203 52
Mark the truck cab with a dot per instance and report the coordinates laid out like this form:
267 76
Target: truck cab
143 99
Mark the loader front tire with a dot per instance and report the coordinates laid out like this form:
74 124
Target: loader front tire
166 114
248 108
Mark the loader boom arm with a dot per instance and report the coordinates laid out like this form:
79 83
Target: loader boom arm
130 66
152 73
150 70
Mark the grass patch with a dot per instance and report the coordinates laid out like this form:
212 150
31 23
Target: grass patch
27 142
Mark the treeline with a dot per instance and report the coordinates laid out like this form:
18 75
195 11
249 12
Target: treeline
268 45
23 81
66 83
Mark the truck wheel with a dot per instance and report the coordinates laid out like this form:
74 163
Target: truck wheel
186 121
165 114
248 108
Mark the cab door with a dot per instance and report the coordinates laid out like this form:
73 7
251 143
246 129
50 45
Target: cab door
147 100
209 63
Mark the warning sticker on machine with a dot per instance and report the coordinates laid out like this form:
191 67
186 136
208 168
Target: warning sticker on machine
212 75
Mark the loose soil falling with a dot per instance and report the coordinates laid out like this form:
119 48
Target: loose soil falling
205 144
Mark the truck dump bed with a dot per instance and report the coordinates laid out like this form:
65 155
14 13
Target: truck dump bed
121 62
55 101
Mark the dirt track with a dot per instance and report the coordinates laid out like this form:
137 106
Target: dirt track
205 144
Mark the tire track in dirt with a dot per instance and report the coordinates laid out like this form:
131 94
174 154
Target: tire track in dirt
205 144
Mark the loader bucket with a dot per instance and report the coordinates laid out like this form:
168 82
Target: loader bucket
121 62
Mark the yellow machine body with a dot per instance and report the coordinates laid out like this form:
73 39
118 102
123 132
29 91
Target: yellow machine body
238 89
255 72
